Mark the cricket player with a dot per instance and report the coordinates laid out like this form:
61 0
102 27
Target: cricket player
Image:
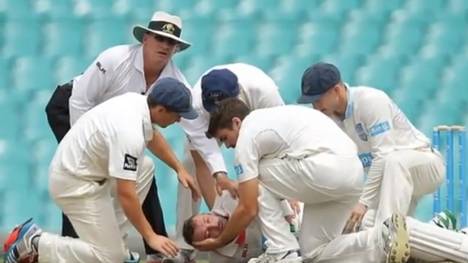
115 71
401 165
247 244
315 162
99 177
246 82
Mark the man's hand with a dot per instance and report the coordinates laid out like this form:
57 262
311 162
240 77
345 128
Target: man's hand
354 222
208 244
223 183
163 244
188 182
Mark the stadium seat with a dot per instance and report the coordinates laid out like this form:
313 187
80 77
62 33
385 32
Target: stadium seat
9 117
424 77
32 67
404 37
99 36
347 64
263 62
276 37
382 8
445 37
318 38
287 75
5 65
360 37
198 30
380 72
339 8
457 6
18 207
64 36
36 126
67 67
21 42
17 9
230 41
425 8
51 9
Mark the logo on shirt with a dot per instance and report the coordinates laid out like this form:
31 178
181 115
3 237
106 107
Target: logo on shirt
99 66
361 132
239 170
130 163
379 128
366 159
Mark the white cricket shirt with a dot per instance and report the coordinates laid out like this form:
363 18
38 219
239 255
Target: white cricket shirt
115 71
378 126
108 140
257 90
290 131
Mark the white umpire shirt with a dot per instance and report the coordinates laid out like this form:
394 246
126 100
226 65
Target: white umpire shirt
108 140
115 71
290 131
378 126
257 90
225 205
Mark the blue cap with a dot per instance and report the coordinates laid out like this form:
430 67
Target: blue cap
217 85
175 96
316 80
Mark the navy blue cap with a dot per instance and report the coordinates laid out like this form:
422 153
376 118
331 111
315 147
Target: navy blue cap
175 96
316 80
217 85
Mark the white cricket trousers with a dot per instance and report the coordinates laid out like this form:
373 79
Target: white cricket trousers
96 216
407 175
329 185
185 206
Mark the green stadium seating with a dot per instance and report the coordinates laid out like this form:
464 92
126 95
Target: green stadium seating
380 72
21 42
64 36
347 64
38 68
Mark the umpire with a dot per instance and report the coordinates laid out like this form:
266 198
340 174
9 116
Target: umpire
118 70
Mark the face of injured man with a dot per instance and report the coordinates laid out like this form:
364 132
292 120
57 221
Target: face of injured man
207 225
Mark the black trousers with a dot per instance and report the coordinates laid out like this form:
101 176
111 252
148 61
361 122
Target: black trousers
58 116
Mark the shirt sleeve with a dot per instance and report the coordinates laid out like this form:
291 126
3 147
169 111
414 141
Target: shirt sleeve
377 120
125 154
89 87
251 148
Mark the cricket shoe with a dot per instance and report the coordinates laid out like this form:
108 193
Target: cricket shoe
445 219
291 256
19 246
396 239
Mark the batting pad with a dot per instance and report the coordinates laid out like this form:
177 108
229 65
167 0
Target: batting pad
434 244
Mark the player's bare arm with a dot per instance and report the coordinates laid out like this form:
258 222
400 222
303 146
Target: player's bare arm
160 148
129 201
224 183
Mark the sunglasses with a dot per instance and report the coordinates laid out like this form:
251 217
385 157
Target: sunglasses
169 41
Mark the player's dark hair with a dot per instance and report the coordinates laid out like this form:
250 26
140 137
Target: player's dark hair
221 118
187 230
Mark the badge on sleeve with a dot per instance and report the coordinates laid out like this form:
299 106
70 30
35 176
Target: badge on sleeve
130 163
361 132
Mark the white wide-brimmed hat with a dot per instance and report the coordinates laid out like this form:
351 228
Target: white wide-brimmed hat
163 24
